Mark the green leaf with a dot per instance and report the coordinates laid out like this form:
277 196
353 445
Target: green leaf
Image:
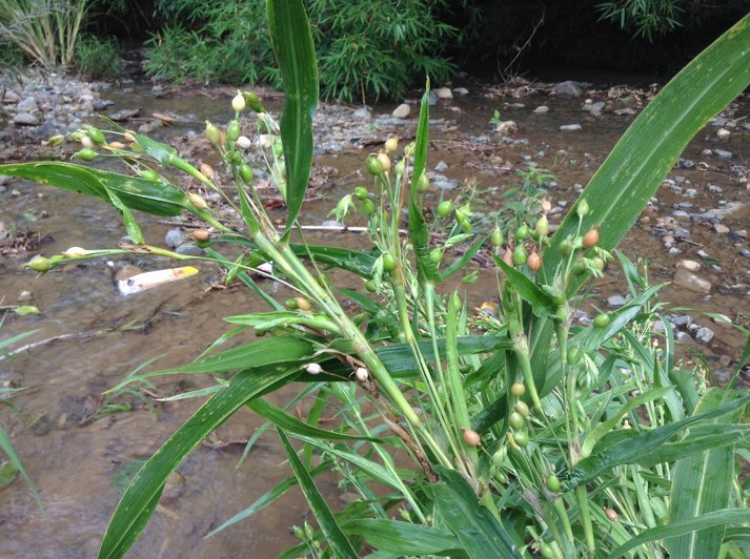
541 302
141 497
702 483
291 424
152 197
480 533
637 165
419 232
26 309
334 535
675 529
404 538
16 463
461 263
295 53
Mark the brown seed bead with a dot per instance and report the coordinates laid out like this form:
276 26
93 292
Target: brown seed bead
534 262
591 238
471 437
201 235
611 514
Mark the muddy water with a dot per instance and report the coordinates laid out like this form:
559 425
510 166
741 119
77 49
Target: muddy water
75 455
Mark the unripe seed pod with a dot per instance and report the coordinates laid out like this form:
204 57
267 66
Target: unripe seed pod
400 168
75 252
546 205
201 235
574 355
197 201
207 171
361 374
303 304
39 264
149 174
291 303
445 208
499 457
522 232
602 320
56 140
521 438
582 208
299 533
591 238
522 408
436 255
471 437
116 145
391 144
253 101
96 135
87 154
361 193
233 131
519 255
367 207
508 258
553 483
497 237
389 262
518 389
374 165
578 268
371 286
129 137
566 247
535 262
87 142
313 368
246 173
423 184
516 420
213 134
243 142
238 103
385 161
598 263
542 226
546 550
612 514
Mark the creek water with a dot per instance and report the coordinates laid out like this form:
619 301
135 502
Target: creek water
76 454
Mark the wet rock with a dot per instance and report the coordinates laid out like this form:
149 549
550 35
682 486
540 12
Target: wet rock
363 113
189 249
745 253
712 188
11 96
723 134
739 235
460 91
25 119
443 93
721 229
683 321
568 89
506 127
402 111
704 335
148 127
541 110
615 301
174 487
690 265
441 166
444 183
432 99
722 154
124 114
570 127
688 280
101 104
691 193
594 109
28 105
174 237
682 337
25 296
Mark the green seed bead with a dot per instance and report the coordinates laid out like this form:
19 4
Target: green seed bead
86 154
436 255
389 262
150 175
522 232
519 255
233 131
96 135
602 320
516 421
497 237
445 208
553 483
374 166
367 207
361 193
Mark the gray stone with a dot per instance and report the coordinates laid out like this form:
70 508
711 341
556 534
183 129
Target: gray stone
704 335
714 189
682 337
721 229
402 111
541 110
28 105
363 113
570 127
460 91
189 249
25 119
432 99
174 237
25 296
615 301
722 154
688 280
441 166
682 321
11 96
691 193
568 89
745 252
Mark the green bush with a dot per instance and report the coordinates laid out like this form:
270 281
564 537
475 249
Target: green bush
98 59
366 49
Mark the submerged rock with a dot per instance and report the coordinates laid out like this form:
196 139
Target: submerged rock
402 111
568 89
688 280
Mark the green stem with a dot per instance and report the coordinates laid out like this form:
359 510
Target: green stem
582 497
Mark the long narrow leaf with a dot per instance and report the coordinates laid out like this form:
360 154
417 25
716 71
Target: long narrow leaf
404 538
334 535
293 44
140 498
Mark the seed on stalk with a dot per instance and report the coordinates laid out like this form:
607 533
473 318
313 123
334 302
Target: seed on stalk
213 134
508 258
546 205
303 304
471 437
612 514
591 238
201 235
389 262
522 232
518 389
519 255
87 142
385 161
197 201
128 136
542 226
391 144
374 165
86 154
521 438
367 207
522 408
40 264
445 208
116 145
361 374
361 193
516 421
546 550
582 208
602 320
149 174
423 184
207 171
535 262
553 483
96 135
497 237
246 173
233 131
238 102
313 368
436 255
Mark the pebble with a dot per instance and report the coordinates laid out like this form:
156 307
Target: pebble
615 301
189 249
402 111
541 110
682 321
174 237
722 154
28 105
723 134
568 89
441 166
24 296
432 99
687 280
704 335
25 119
570 127
460 91
721 229
363 113
506 127
714 189
745 252
690 265
682 337
443 93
